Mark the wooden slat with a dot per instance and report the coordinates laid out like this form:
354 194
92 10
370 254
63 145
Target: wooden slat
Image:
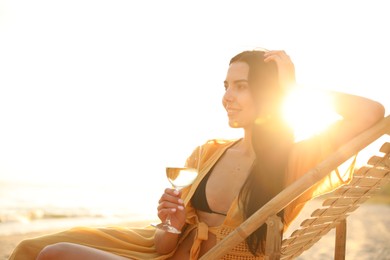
351 209
309 229
374 160
379 182
368 182
299 247
348 189
331 212
304 239
386 163
292 249
379 161
342 202
377 173
362 170
355 192
385 148
370 193
305 234
319 221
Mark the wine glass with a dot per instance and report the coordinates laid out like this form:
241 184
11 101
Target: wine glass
180 177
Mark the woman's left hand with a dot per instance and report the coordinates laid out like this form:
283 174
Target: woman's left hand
286 68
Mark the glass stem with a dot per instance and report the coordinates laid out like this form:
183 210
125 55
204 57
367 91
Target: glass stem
168 220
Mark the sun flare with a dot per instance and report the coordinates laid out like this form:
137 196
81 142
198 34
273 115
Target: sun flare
308 112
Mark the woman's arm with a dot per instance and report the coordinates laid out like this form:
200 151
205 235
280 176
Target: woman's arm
165 242
358 113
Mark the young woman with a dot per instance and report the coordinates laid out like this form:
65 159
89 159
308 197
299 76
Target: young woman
236 177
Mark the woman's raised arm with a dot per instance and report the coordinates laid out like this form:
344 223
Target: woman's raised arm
358 114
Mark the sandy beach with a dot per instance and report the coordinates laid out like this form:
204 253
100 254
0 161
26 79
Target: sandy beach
368 235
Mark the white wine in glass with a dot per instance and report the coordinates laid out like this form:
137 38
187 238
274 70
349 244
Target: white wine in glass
179 177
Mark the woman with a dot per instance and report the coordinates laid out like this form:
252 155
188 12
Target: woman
236 177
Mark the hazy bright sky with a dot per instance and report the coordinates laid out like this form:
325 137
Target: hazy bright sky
100 91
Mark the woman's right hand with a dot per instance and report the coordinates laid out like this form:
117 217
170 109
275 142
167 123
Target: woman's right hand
171 204
286 68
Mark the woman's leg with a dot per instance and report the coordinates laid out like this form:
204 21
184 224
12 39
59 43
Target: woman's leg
62 251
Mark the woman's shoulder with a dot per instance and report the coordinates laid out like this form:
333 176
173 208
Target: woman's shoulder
212 146
220 142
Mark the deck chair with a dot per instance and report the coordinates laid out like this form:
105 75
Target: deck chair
336 206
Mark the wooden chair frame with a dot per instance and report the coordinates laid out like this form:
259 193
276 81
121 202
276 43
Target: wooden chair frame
347 199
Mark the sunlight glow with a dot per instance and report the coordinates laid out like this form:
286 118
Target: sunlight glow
308 112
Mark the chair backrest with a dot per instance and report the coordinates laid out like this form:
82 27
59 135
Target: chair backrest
346 199
336 207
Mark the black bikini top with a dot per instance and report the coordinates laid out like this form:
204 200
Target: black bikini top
199 199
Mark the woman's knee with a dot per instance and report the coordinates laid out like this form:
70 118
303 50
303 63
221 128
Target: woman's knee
54 251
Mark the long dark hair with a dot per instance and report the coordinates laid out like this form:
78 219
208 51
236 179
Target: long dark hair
272 140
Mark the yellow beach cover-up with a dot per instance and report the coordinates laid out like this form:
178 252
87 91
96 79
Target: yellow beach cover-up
138 243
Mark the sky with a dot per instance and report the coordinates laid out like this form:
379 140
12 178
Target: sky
104 91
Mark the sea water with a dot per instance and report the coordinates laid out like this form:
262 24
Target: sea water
26 207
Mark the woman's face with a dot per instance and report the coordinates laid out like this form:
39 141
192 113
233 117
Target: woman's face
237 99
